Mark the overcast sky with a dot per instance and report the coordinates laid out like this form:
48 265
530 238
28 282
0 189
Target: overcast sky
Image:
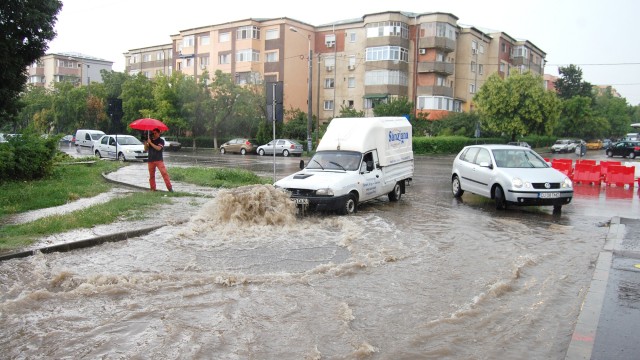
598 36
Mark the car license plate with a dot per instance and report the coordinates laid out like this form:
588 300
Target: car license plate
551 195
299 201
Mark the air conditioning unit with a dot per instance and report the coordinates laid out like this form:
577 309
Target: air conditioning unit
422 51
352 67
330 43
474 51
329 68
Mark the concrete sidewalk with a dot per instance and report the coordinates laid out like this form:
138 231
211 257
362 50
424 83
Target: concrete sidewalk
610 315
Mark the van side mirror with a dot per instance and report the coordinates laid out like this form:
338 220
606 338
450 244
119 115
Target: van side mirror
301 164
369 165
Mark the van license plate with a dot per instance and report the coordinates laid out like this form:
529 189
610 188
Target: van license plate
299 201
552 195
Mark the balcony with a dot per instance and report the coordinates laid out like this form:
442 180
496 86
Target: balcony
439 67
435 91
438 42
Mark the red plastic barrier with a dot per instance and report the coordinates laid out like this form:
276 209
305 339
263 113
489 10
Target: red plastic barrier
604 168
587 173
621 175
566 167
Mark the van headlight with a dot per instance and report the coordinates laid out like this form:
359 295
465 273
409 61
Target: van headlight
324 192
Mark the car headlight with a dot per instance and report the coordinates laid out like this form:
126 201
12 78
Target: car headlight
517 183
567 183
324 192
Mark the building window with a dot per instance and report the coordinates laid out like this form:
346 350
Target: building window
224 59
503 47
472 88
188 41
146 57
328 105
247 55
204 61
386 77
352 61
480 69
350 104
502 67
205 40
328 83
248 32
441 81
438 29
272 34
473 66
188 62
382 53
388 28
438 103
330 61
330 40
224 37
352 82
271 56
160 55
352 37
481 49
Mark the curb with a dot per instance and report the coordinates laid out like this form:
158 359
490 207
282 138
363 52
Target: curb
584 333
82 243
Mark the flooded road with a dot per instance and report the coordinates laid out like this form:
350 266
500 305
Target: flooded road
428 277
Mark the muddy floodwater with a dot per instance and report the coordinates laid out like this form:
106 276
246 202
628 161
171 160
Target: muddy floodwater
428 277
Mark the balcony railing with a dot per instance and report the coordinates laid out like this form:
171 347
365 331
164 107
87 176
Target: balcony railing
440 67
438 42
435 91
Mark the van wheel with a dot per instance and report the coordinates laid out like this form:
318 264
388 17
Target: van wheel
285 153
396 193
243 151
121 157
349 206
98 154
501 203
456 189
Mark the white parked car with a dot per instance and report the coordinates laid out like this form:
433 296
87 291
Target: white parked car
511 175
284 147
564 146
121 147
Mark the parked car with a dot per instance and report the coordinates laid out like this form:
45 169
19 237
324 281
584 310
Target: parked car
284 147
239 145
510 175
564 146
87 138
171 143
594 144
66 140
519 143
121 147
606 143
629 149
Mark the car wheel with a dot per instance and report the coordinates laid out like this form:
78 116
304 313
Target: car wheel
243 151
285 153
609 153
501 203
98 154
222 151
456 189
396 193
349 206
632 155
121 157
261 152
557 209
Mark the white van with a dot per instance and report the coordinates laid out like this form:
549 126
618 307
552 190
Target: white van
87 138
358 159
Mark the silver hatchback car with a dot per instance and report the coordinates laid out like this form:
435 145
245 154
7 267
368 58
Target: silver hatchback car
510 175
284 147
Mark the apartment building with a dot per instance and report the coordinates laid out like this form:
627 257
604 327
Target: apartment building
71 67
356 63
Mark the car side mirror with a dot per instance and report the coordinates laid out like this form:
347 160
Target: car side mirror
301 164
486 164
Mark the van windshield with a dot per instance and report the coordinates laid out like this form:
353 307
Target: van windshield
335 160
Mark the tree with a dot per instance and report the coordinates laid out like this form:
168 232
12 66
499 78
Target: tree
396 107
517 105
617 113
347 112
224 96
26 27
570 83
137 98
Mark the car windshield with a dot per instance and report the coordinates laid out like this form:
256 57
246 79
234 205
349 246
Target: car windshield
96 136
562 142
508 158
129 140
335 160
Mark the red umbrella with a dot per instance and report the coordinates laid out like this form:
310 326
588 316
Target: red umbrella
148 124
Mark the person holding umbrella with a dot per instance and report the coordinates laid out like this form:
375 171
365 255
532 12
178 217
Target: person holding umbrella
154 145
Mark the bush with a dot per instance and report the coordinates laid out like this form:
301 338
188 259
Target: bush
27 157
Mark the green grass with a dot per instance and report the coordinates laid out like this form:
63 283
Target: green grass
131 207
218 178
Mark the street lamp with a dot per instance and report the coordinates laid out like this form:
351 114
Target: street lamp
309 110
